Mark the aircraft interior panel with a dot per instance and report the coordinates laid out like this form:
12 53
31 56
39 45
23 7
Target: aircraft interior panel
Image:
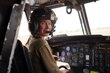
85 54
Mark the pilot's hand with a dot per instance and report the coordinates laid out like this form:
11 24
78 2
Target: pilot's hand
64 71
55 57
63 66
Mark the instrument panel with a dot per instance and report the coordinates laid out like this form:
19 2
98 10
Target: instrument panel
91 53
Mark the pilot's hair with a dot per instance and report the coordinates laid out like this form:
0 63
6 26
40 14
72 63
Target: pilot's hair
39 14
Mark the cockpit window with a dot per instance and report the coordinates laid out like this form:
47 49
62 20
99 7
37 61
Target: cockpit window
99 17
68 24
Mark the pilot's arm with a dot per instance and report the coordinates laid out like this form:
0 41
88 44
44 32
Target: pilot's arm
48 60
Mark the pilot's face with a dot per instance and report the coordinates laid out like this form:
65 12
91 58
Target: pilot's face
44 28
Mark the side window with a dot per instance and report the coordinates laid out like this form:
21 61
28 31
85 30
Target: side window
99 17
23 31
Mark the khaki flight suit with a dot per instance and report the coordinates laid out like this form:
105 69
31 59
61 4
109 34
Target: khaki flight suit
41 56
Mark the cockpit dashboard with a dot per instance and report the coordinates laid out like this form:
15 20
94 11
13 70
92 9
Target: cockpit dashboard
85 53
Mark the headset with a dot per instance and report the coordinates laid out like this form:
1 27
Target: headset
39 14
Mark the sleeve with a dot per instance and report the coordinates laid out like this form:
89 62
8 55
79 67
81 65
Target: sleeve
48 61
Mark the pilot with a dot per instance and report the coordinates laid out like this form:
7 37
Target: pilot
41 25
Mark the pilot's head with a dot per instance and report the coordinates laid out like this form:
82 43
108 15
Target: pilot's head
42 22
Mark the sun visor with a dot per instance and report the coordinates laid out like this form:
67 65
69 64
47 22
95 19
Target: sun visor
42 1
30 2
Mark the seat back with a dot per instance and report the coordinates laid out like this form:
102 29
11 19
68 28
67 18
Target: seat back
21 62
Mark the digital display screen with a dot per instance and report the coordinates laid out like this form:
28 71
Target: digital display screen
87 57
67 48
63 53
74 50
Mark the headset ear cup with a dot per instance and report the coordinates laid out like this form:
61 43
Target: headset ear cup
35 27
31 28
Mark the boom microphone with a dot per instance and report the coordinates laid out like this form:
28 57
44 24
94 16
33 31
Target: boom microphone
48 31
